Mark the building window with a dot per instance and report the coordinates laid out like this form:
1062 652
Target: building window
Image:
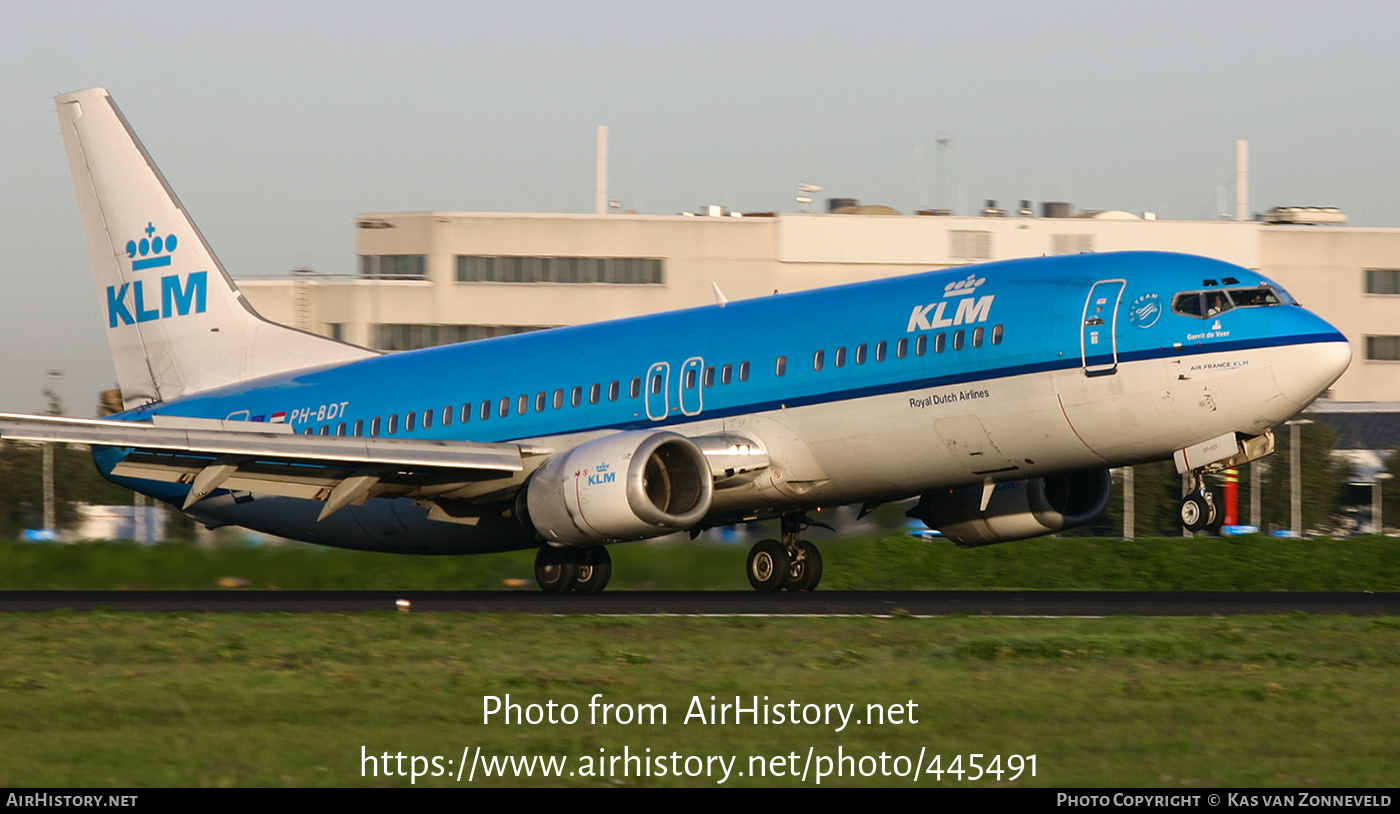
394 266
969 245
569 270
1071 244
1383 281
1383 348
413 337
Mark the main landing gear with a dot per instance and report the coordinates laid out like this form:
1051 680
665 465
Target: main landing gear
793 564
581 570
1198 510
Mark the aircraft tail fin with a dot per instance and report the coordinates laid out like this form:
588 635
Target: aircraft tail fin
176 321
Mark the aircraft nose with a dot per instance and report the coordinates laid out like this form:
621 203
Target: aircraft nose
1303 372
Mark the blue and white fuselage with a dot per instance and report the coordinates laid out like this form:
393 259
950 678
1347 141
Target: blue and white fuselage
875 391
998 395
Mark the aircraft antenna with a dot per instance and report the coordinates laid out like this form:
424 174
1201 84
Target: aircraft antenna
941 166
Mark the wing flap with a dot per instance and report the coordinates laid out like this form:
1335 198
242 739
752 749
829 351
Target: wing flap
256 444
339 470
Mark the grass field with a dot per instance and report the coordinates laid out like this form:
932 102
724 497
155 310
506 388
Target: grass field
105 699
882 561
109 699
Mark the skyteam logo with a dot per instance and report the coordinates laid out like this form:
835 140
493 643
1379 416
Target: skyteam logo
970 307
179 295
1145 310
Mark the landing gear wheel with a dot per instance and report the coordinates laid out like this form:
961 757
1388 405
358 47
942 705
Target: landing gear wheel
555 570
1196 512
805 572
1217 517
769 565
594 572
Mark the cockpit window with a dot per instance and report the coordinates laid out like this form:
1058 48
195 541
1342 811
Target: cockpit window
1188 304
1216 303
1212 303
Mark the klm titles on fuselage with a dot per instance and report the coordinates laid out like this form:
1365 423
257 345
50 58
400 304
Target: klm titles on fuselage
970 307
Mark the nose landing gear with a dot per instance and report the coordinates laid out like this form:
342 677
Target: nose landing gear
1198 509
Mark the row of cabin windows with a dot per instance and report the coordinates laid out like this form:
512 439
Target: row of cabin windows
724 374
521 404
960 338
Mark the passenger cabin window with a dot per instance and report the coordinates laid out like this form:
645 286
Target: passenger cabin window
743 371
635 389
615 390
780 368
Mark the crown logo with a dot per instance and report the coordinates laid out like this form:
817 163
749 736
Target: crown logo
960 287
153 250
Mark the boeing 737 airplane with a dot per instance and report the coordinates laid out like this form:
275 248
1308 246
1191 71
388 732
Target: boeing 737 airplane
997 396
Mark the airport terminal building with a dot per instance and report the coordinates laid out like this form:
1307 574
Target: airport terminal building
429 278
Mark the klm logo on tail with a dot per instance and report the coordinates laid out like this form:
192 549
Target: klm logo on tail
177 296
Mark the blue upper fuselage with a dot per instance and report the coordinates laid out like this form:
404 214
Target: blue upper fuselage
938 328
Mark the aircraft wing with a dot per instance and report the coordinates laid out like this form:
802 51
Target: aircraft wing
209 454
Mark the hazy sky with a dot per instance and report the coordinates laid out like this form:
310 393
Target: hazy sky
277 122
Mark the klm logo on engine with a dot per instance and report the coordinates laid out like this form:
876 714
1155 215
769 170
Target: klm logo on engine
176 299
969 309
601 475
133 302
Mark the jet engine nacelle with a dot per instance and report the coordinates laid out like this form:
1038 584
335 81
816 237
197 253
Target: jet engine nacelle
1017 510
628 486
